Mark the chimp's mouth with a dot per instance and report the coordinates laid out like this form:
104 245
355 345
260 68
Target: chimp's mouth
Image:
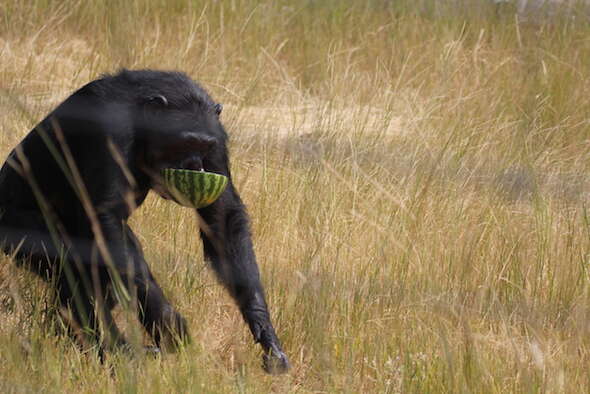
199 168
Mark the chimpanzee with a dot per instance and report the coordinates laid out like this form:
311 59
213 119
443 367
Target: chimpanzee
67 190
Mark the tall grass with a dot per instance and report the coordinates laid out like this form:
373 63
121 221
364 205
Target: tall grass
416 174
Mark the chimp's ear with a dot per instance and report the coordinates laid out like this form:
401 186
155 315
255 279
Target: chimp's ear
158 99
218 108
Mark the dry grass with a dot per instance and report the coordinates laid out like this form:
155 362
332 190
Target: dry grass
416 171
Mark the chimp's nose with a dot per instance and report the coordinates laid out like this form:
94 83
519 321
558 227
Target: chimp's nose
199 143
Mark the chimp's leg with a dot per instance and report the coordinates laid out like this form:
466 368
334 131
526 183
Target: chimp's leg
80 291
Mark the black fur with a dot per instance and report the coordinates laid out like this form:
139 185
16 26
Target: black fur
67 190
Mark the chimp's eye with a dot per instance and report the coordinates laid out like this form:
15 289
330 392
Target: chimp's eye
159 100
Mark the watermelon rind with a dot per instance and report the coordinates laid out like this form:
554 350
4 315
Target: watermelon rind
194 189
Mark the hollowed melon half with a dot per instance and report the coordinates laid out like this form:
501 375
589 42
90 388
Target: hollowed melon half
194 189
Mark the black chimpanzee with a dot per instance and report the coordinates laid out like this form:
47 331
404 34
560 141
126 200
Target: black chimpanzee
67 190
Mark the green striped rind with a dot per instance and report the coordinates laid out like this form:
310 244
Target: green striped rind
195 189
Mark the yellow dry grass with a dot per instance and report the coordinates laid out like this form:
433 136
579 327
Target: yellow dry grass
416 172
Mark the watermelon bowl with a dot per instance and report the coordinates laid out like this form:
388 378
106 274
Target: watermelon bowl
194 189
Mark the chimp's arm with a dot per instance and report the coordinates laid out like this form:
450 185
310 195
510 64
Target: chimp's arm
228 246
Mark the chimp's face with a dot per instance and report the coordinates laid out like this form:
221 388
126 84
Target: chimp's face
177 137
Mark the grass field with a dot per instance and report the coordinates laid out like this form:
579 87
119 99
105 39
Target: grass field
417 174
